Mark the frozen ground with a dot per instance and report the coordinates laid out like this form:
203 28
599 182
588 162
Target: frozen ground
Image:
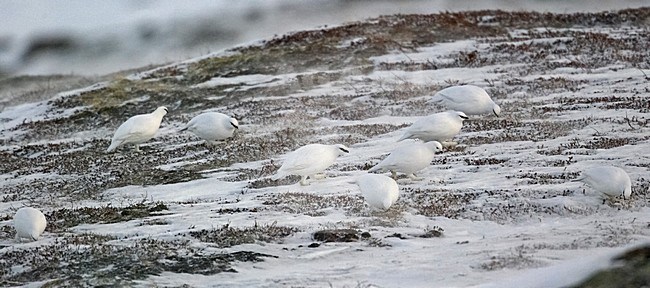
497 210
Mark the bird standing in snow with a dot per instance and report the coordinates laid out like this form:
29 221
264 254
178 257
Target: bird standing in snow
409 158
469 99
380 191
212 127
138 129
436 127
29 223
609 180
310 160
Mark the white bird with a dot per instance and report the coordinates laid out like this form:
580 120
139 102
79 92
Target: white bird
212 126
380 191
310 160
609 180
470 99
138 129
29 223
436 127
409 158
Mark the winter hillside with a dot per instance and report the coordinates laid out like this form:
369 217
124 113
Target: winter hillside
497 210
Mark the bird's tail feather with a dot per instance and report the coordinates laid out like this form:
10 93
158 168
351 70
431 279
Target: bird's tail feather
435 99
579 179
112 147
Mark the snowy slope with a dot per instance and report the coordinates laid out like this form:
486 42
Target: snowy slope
573 94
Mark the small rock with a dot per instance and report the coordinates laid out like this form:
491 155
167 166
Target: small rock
631 269
337 235
314 245
396 235
432 233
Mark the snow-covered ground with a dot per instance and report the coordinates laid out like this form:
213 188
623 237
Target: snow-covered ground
503 199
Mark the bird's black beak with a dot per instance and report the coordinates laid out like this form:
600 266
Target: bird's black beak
464 117
233 125
344 150
495 113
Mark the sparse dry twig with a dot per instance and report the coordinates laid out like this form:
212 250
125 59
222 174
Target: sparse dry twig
628 121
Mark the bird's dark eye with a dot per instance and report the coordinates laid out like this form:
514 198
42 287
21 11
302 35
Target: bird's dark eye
344 150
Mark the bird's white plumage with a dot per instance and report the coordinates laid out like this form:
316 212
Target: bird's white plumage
379 191
609 180
310 160
29 223
436 127
212 126
470 99
409 158
138 129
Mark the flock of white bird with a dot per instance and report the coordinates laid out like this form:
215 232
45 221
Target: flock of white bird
311 161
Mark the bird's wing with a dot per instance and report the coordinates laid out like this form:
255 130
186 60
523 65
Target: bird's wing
453 97
466 95
306 158
407 154
427 125
135 127
402 156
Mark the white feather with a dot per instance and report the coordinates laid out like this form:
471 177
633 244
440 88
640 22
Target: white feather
470 99
29 223
138 129
609 180
379 191
409 158
310 160
436 127
212 126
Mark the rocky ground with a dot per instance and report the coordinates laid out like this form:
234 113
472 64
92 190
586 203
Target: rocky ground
574 90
